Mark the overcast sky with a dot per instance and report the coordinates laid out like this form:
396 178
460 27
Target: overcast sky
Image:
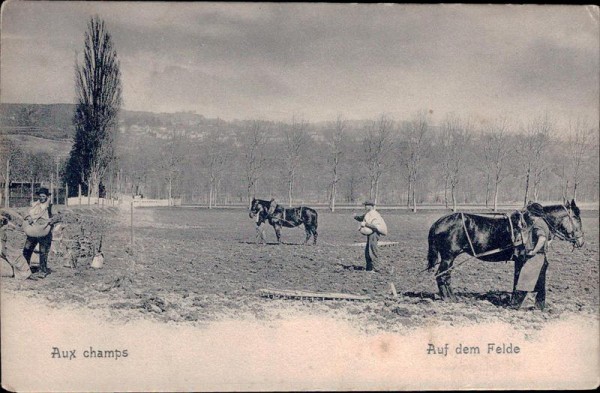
315 61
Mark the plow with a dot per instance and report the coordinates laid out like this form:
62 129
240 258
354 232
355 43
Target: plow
304 295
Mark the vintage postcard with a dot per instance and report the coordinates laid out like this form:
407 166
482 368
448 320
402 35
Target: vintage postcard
298 197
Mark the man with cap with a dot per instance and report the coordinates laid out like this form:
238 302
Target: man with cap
530 271
375 226
40 215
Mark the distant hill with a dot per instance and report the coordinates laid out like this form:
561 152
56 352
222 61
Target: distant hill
43 121
54 122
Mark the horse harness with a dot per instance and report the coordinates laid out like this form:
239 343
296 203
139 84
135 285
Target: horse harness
271 212
514 243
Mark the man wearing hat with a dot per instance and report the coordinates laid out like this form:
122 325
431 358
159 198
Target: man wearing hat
38 228
372 226
531 268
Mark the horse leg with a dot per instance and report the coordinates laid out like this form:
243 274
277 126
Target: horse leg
518 267
517 296
260 234
278 232
449 286
308 233
444 281
315 235
441 280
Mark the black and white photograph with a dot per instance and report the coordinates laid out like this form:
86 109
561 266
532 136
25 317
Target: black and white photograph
214 196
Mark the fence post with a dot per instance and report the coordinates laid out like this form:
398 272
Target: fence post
7 185
132 222
66 194
79 193
57 181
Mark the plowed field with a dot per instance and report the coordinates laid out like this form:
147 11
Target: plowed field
193 266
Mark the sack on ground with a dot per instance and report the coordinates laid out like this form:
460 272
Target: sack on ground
98 261
6 270
21 268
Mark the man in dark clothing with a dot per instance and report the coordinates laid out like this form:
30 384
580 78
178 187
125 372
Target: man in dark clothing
531 268
39 214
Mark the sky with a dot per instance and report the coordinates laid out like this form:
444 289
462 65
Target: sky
278 61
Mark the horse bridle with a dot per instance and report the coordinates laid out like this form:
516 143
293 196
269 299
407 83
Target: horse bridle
253 213
569 238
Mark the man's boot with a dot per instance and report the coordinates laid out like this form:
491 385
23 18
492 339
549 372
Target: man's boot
43 270
540 304
517 299
540 300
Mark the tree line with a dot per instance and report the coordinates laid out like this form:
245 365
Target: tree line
392 162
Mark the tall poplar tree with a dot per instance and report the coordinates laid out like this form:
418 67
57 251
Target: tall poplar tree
98 101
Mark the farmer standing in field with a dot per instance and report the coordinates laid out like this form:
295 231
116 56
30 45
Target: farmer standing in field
531 268
37 225
372 226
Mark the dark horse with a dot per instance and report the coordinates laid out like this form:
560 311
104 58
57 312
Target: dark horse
492 238
279 217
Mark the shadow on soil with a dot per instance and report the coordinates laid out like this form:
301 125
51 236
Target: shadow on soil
497 298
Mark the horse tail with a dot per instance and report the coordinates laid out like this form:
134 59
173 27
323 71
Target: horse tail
433 255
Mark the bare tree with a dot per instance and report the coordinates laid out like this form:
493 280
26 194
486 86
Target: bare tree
173 157
296 141
13 166
335 141
496 151
214 158
352 182
579 144
139 159
414 143
377 146
253 141
456 135
534 143
98 88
